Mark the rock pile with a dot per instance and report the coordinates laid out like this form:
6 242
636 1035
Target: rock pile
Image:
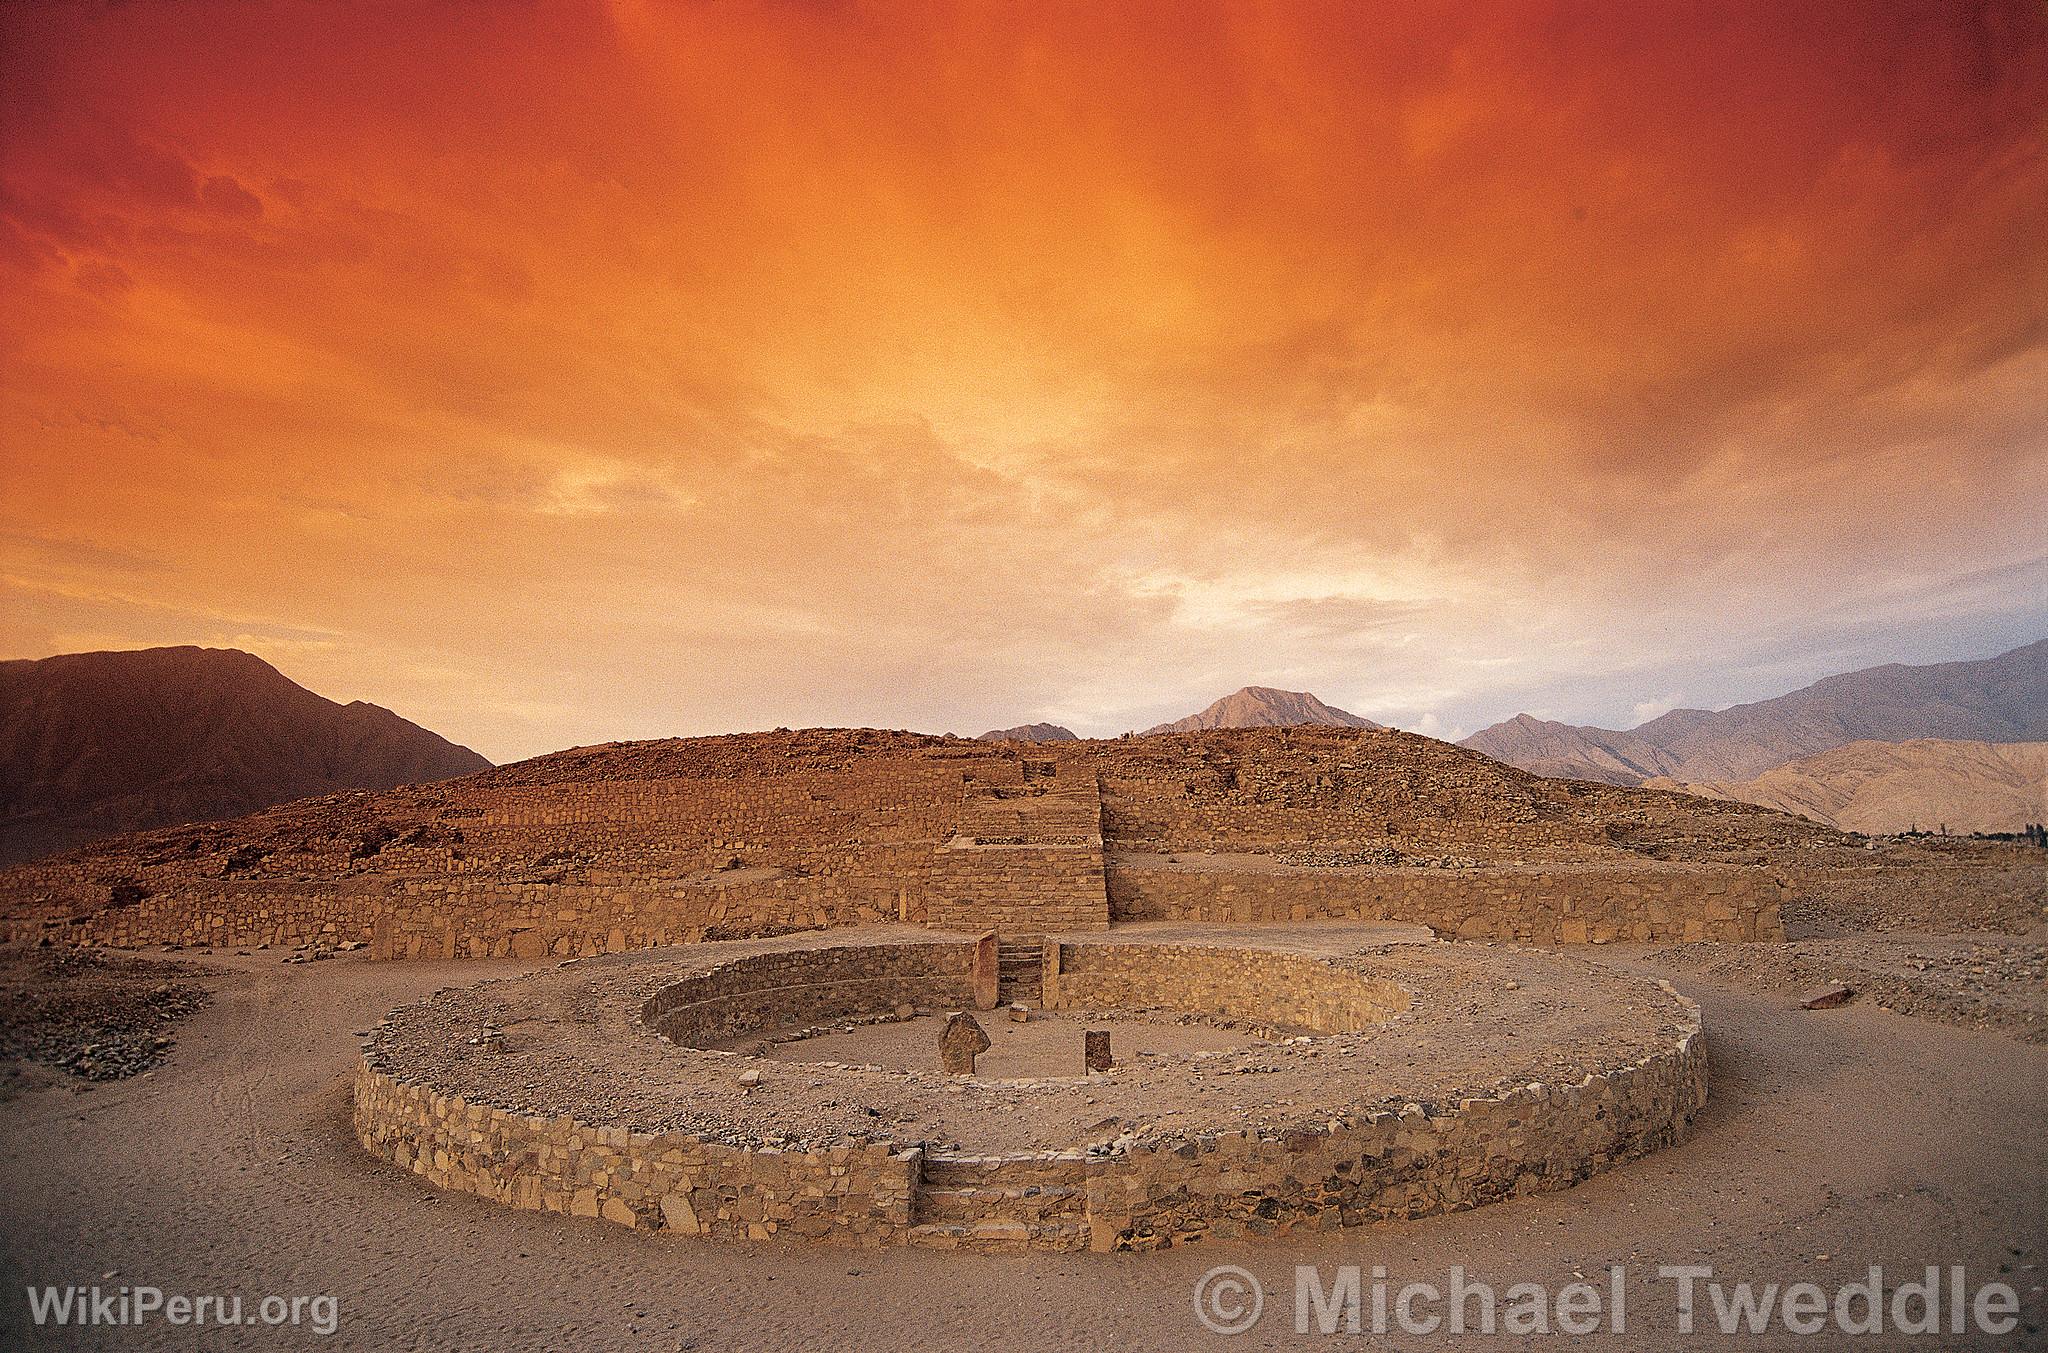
95 1016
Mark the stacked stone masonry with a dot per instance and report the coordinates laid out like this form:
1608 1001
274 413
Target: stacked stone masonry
1554 906
808 986
1402 1161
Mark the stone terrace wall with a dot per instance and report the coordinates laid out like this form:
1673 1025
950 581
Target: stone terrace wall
486 918
1261 984
561 869
1276 789
1535 906
673 1182
220 914
1019 890
652 832
1024 858
1413 1162
806 986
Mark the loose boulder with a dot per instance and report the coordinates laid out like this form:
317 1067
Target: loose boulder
1827 997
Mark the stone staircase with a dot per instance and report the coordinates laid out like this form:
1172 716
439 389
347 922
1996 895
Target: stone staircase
1002 1203
1020 970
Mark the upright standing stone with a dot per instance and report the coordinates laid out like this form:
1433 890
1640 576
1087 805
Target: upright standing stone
987 972
1095 1050
960 1042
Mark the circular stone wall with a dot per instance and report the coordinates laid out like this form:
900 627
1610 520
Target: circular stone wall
1438 1077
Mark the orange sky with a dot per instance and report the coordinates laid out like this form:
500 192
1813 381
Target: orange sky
556 373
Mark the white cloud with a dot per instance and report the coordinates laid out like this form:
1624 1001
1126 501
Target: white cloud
1646 710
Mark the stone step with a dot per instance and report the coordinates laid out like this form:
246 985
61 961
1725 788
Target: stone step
1028 1204
1062 1170
1000 1237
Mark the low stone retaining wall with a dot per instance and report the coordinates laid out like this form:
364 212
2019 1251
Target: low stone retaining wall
223 914
1536 906
1364 1159
672 1182
486 919
1414 1162
805 986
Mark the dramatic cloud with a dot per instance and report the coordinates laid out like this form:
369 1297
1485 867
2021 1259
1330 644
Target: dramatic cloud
565 372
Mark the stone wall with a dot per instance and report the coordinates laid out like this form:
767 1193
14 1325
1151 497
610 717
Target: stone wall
1294 990
1540 906
672 1182
807 986
1024 858
1409 1161
1413 1162
485 918
1020 890
229 913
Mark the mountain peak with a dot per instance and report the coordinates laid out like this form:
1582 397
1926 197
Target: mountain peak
95 744
1266 707
1030 732
2002 699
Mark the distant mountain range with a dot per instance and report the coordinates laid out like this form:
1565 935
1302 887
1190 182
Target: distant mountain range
1264 707
1030 732
2001 699
1929 784
96 744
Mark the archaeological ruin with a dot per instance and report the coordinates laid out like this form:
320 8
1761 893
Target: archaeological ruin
1331 972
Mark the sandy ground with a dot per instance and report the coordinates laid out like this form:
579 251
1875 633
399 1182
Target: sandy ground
1981 981
1835 1140
1048 1045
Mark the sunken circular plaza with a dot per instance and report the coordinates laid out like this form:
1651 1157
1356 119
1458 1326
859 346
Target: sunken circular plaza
1262 1080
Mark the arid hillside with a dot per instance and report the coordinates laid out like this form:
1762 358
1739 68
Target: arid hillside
96 744
1264 707
684 839
1030 732
1929 784
2001 699
1222 789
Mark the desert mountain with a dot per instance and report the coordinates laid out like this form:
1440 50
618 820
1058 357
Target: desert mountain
2001 699
1570 751
1030 732
95 744
1264 707
1929 783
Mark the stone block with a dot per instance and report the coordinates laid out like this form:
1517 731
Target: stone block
1095 1054
987 974
960 1042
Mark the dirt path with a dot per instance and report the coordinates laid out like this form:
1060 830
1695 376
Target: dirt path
1856 1134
